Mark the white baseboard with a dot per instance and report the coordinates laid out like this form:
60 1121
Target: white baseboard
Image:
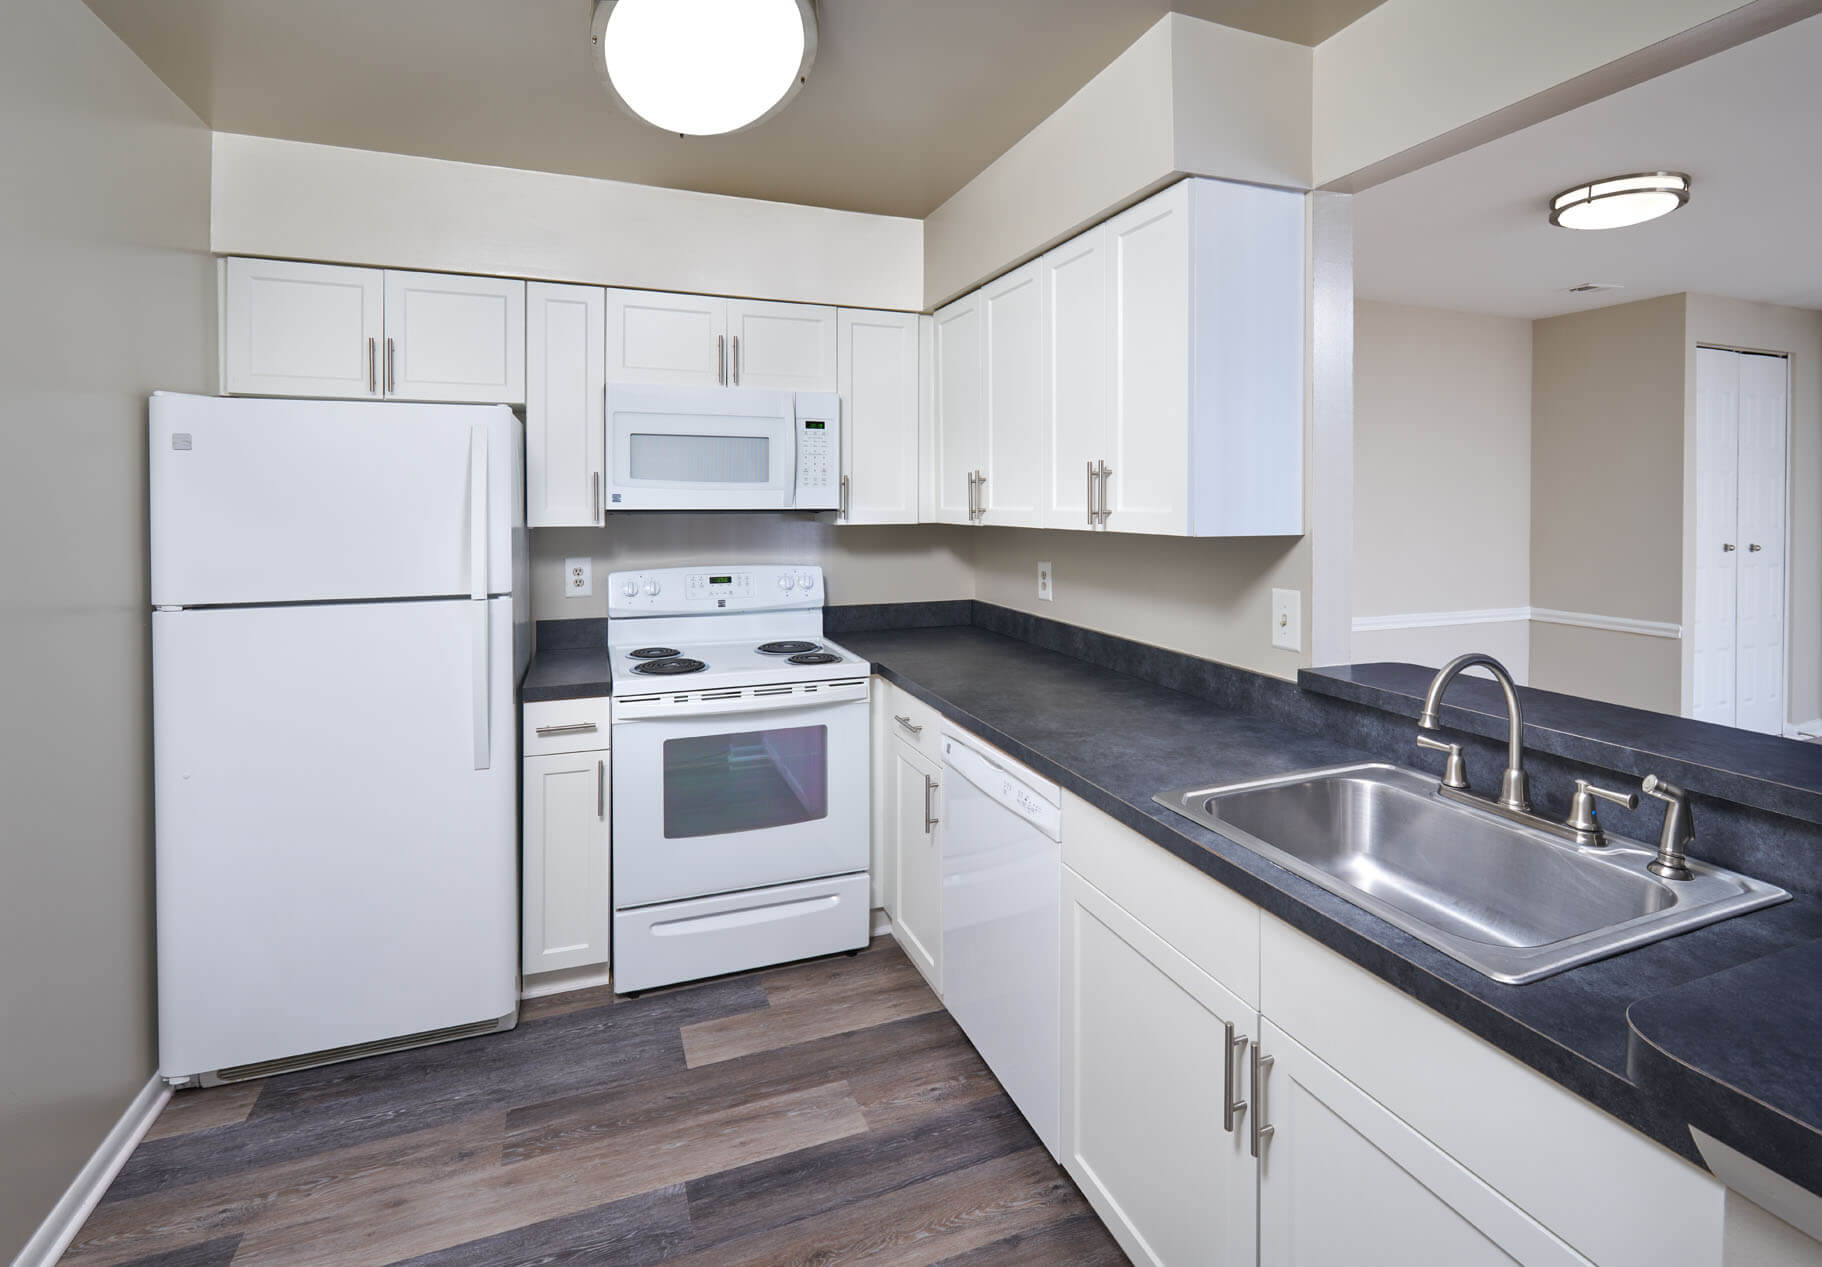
882 923
1503 615
84 1193
563 981
1811 729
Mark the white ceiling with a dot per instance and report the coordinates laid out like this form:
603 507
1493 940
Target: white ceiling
1471 233
908 101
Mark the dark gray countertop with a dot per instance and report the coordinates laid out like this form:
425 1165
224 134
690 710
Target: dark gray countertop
567 673
1115 739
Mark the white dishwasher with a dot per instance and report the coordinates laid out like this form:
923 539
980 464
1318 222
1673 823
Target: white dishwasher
1002 922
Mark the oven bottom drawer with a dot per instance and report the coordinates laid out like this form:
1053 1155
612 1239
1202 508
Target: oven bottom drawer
732 932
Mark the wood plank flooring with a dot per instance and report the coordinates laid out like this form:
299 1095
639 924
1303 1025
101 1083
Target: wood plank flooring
820 1113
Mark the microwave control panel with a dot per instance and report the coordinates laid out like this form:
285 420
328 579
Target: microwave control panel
818 451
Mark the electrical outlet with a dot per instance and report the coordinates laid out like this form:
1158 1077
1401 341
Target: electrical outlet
1044 583
578 578
1287 619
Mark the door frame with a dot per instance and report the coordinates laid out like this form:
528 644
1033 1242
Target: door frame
1689 509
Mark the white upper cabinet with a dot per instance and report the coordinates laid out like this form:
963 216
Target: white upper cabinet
880 450
788 347
1012 360
565 404
323 330
1078 377
959 409
704 341
660 338
454 338
302 329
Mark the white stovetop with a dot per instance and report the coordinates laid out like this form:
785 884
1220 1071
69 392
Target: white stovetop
729 664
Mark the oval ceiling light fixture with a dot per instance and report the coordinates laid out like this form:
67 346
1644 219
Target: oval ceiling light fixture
1619 201
704 67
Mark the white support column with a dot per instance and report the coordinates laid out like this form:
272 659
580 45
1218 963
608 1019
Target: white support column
1331 464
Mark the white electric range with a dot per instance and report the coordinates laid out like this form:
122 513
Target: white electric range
741 758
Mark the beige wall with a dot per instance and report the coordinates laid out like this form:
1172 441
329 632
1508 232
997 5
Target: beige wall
1208 597
1442 461
1607 423
860 564
1796 332
110 293
323 202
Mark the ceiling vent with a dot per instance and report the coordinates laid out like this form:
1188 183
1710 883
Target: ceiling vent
1589 288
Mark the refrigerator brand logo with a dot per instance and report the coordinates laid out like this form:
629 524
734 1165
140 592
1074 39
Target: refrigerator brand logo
180 440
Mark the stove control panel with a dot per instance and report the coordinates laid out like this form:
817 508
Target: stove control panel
734 588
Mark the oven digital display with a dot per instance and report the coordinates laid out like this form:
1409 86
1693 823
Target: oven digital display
721 580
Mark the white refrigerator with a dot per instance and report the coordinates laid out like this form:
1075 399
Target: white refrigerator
339 626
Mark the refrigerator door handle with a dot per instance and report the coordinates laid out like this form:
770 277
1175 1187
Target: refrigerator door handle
477 593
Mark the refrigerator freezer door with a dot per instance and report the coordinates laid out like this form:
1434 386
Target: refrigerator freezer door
331 868
295 501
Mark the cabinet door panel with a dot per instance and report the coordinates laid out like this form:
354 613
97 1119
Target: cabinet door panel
301 329
879 416
1148 489
659 338
568 910
455 338
1344 1183
960 419
1759 631
565 405
1714 660
1144 1041
918 921
1012 322
1078 375
786 347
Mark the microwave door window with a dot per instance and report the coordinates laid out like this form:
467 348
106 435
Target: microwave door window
677 458
720 785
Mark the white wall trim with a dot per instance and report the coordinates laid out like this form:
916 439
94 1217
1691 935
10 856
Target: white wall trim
1811 729
1436 620
84 1193
563 980
1504 615
1613 624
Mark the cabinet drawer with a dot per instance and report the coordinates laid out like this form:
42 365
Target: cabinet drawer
1210 924
569 725
1541 1146
915 722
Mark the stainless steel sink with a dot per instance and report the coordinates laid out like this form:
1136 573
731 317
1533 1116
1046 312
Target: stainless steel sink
1507 900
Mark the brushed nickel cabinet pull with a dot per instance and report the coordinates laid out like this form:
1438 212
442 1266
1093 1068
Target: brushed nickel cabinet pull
930 818
595 492
1231 1108
392 383
1261 1131
601 790
568 728
736 360
721 358
907 723
373 372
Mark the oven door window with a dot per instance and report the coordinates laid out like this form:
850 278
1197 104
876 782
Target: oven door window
718 785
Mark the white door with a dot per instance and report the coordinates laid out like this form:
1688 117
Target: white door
455 338
1149 451
916 811
1078 376
960 411
332 869
1742 433
302 329
653 337
1717 546
567 904
880 413
565 405
273 501
1145 1060
1344 1183
1759 634
1012 324
789 347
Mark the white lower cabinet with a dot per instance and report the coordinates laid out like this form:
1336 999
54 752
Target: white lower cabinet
913 782
567 913
1147 1133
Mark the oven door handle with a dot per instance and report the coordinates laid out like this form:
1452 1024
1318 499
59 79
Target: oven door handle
626 714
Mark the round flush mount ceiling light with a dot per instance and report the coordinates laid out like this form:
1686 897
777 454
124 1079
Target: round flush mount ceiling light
1618 201
704 67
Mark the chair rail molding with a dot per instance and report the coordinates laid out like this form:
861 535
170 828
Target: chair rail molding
1505 615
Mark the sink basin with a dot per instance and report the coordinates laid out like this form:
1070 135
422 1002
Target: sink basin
1509 901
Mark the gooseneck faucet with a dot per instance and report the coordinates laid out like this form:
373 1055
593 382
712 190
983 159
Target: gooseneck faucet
1514 794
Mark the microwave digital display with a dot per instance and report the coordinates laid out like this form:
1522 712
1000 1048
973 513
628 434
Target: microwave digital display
813 426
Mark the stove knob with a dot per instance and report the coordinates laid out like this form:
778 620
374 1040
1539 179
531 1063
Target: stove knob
629 588
786 582
805 581
652 587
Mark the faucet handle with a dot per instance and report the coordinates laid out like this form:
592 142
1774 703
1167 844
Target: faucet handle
1582 818
1455 770
1678 831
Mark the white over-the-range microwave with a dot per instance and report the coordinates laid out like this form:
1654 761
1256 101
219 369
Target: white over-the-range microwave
721 448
